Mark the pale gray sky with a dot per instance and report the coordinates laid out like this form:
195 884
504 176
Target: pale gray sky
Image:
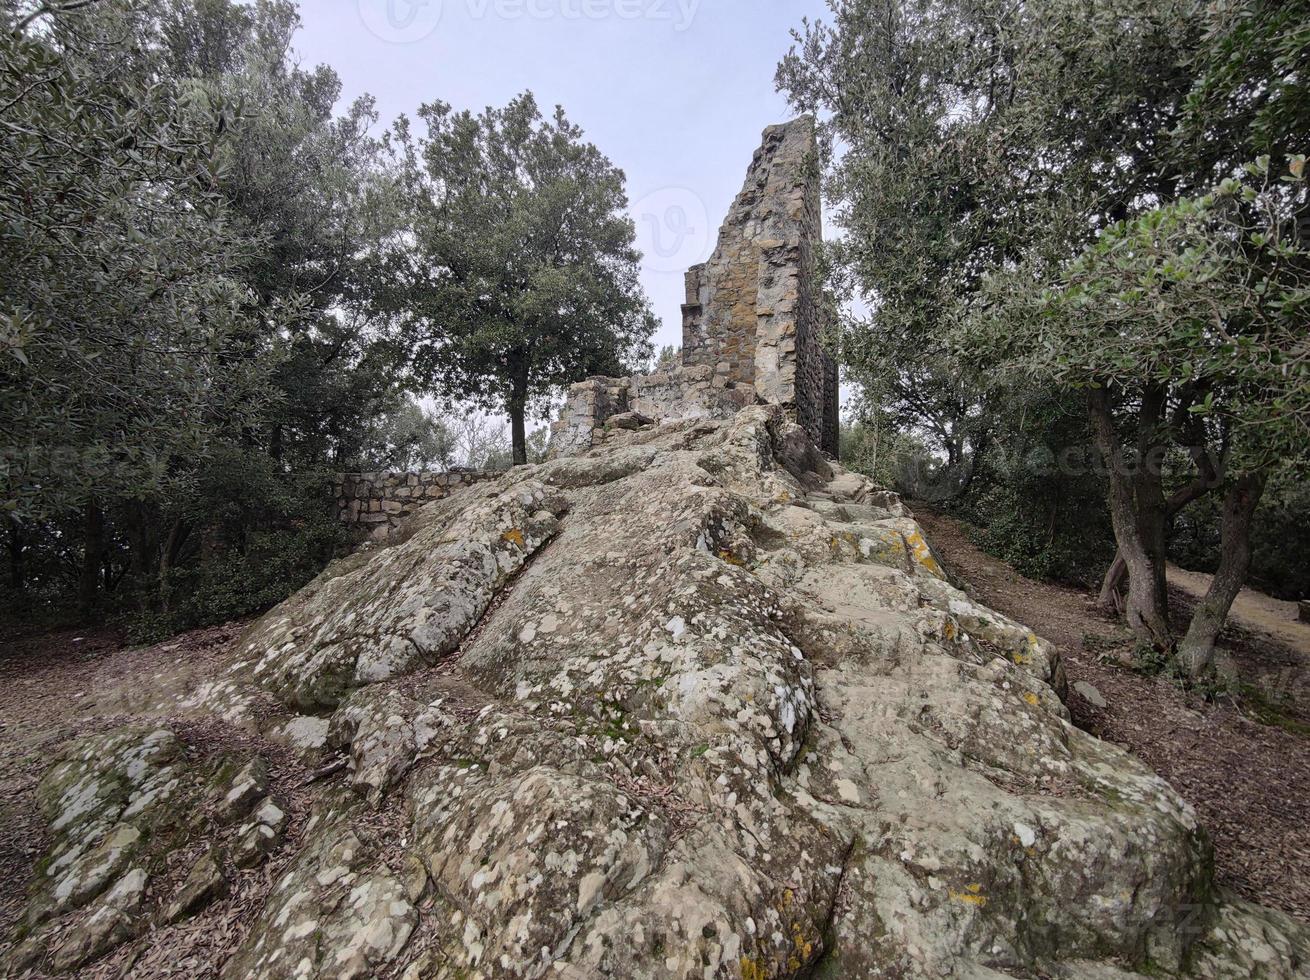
676 92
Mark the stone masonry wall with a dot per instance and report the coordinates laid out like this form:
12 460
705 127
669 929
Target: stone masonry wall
375 503
599 405
754 317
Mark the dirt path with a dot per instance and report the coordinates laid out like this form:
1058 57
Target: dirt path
1253 610
1249 782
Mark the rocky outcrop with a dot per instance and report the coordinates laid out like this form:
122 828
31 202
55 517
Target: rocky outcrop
699 704
124 807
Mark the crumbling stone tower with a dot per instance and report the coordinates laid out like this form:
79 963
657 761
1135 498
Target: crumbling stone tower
754 318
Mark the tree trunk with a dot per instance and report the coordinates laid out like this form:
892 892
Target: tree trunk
168 554
93 546
518 410
1148 494
1111 597
1196 653
143 522
518 435
16 577
1206 479
1143 609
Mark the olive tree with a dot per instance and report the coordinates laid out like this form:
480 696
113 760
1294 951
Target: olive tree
1184 325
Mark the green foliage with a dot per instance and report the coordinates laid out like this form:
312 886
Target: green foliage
524 277
975 143
125 328
1042 533
410 437
266 534
191 238
669 357
972 132
892 458
1206 298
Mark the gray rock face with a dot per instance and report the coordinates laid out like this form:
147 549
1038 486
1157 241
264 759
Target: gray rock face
408 606
121 806
702 704
338 912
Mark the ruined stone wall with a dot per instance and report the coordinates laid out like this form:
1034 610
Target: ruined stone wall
830 440
754 316
597 406
375 503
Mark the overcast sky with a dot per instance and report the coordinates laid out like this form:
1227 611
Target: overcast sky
676 92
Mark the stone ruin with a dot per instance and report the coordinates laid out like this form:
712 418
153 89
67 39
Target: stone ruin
753 322
375 504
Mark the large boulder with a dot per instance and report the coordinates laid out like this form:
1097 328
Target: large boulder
702 703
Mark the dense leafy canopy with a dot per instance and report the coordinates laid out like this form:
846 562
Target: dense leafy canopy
200 310
126 328
523 276
1028 186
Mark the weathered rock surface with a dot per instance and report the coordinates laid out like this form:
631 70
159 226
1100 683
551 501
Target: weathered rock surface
120 805
699 704
338 912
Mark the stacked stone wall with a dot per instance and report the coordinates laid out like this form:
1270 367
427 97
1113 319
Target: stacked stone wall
375 503
696 392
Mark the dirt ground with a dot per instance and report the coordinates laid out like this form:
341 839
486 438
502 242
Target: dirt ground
1254 611
1249 781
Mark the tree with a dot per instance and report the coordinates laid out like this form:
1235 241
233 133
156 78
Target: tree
411 437
1185 324
969 132
126 331
522 276
307 183
975 135
193 235
668 358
